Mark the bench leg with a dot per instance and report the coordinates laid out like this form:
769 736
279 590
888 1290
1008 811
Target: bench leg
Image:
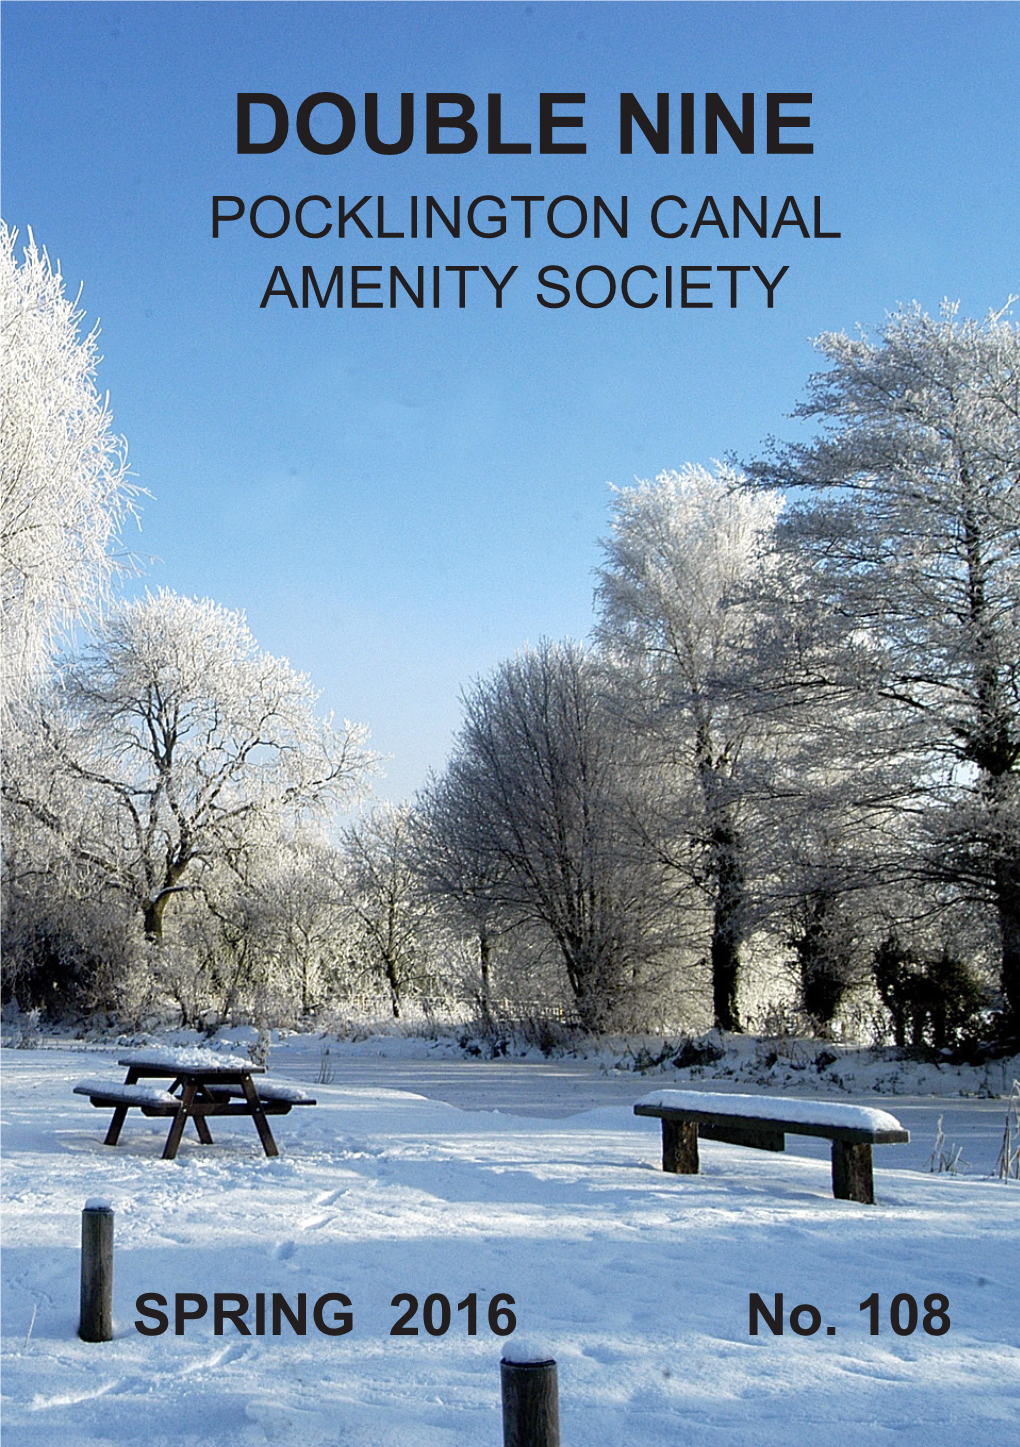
178 1123
113 1134
202 1127
680 1147
259 1117
120 1112
852 1176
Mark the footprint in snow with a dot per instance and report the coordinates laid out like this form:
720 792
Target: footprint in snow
313 1223
222 1358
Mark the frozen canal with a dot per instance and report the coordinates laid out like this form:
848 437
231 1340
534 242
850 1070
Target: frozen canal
557 1089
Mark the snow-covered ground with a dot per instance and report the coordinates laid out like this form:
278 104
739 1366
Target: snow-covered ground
536 1182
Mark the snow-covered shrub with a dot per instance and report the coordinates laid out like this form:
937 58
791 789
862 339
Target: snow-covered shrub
705 1050
68 951
933 1001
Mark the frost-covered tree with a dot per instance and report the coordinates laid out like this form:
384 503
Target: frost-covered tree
905 523
828 840
181 739
68 946
64 489
681 556
383 896
459 874
301 936
261 935
536 788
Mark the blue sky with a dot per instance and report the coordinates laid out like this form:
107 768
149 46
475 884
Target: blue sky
397 498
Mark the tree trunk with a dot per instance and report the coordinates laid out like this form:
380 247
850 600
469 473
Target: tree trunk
392 981
485 994
1007 903
727 928
152 919
153 909
725 970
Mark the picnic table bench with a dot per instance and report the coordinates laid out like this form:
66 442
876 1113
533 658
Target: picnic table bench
200 1084
763 1122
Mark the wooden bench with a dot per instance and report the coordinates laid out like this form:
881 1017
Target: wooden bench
763 1122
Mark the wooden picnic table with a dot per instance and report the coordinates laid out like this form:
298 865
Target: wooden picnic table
200 1084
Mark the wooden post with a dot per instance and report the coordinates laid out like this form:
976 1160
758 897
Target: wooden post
96 1319
531 1404
852 1175
680 1147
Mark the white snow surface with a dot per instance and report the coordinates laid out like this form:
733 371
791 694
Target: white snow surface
637 1283
804 1112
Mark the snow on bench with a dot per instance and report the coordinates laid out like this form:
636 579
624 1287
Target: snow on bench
762 1122
824 1114
268 1090
188 1058
152 1094
105 1091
